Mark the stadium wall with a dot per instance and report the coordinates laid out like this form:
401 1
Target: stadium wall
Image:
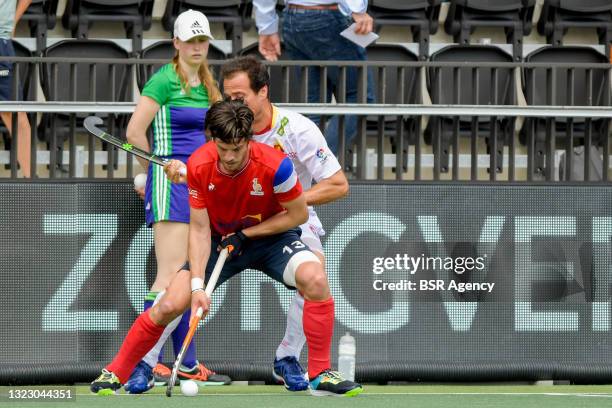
77 261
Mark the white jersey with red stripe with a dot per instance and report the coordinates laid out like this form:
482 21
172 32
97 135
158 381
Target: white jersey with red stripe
302 141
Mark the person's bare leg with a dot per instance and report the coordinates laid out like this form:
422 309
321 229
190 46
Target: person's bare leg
23 139
170 251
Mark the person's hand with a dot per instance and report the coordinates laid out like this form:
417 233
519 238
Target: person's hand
364 23
237 241
199 299
269 46
176 171
140 191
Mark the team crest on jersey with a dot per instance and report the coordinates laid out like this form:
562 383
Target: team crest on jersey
211 187
322 155
281 130
257 189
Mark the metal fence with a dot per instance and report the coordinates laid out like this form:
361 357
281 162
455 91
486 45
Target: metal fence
477 121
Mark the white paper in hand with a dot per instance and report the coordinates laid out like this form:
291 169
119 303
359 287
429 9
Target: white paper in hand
363 40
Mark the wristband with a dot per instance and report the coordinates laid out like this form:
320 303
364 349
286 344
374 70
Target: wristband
197 283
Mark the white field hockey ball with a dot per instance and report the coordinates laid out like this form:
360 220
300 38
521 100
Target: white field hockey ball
140 181
189 388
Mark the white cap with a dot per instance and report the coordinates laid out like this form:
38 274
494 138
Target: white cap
191 24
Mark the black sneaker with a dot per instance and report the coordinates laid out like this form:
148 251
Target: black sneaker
331 383
106 384
202 375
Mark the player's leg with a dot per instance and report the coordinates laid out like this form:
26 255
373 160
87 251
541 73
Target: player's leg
287 259
318 322
170 239
151 358
144 334
142 378
287 368
191 368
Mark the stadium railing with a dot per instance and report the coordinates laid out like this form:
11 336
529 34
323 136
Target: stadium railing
379 152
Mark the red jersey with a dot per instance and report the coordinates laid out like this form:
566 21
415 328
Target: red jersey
247 198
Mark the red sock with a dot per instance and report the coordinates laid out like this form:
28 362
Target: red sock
140 339
318 321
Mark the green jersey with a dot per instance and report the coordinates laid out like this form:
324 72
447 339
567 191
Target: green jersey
178 127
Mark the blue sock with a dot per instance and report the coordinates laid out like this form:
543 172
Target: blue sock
148 302
178 336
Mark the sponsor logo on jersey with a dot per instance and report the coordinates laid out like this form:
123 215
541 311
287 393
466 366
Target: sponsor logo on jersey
148 207
4 72
281 130
322 155
193 193
211 187
292 155
257 189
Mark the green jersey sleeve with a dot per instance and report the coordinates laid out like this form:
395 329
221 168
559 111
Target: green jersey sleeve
158 87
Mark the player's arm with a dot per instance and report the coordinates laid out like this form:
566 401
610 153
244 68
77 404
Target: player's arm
295 214
139 122
328 189
314 154
199 252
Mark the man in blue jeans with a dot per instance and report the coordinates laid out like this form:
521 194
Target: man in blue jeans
311 31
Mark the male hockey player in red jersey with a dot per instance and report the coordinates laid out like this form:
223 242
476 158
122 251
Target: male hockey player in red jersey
247 195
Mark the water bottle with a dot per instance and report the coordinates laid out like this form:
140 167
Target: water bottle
346 357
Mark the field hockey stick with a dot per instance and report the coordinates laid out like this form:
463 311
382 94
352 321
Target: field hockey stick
91 124
195 320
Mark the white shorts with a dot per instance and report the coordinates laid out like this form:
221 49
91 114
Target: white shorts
311 236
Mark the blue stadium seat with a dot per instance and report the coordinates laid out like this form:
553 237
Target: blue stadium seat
470 86
135 15
514 16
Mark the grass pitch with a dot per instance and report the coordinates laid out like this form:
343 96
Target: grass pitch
374 396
